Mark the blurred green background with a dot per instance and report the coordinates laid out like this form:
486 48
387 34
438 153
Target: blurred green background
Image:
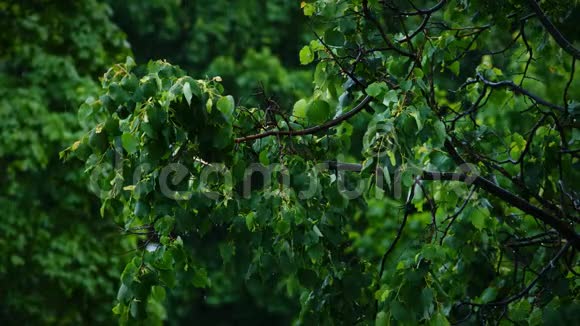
59 260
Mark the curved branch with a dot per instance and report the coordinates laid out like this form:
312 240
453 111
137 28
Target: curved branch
519 90
359 107
399 231
562 227
421 27
456 215
425 11
396 240
572 70
558 37
367 13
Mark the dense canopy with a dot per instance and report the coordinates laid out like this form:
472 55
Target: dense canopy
323 162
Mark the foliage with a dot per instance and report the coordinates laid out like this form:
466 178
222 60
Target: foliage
59 263
55 249
243 41
431 176
443 86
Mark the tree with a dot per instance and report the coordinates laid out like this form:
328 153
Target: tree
431 177
59 262
56 248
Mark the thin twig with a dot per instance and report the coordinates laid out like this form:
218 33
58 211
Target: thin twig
308 131
527 289
569 82
456 214
518 90
397 237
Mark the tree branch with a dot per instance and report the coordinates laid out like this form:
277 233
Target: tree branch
563 228
419 29
558 37
425 11
367 13
453 217
397 237
518 90
334 122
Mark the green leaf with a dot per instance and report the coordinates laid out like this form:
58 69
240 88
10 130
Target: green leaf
478 217
318 112
382 294
141 209
377 88
124 294
164 225
117 309
306 55
129 63
130 83
251 221
390 97
85 111
118 94
209 105
535 318
317 231
454 67
167 276
187 93
264 160
129 273
440 134
98 139
129 142
520 311
387 176
226 105
398 311
158 293
200 279
282 226
488 295
315 253
334 38
426 300
418 73
300 109
137 309
308 8
439 320
417 115
16 260
382 319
